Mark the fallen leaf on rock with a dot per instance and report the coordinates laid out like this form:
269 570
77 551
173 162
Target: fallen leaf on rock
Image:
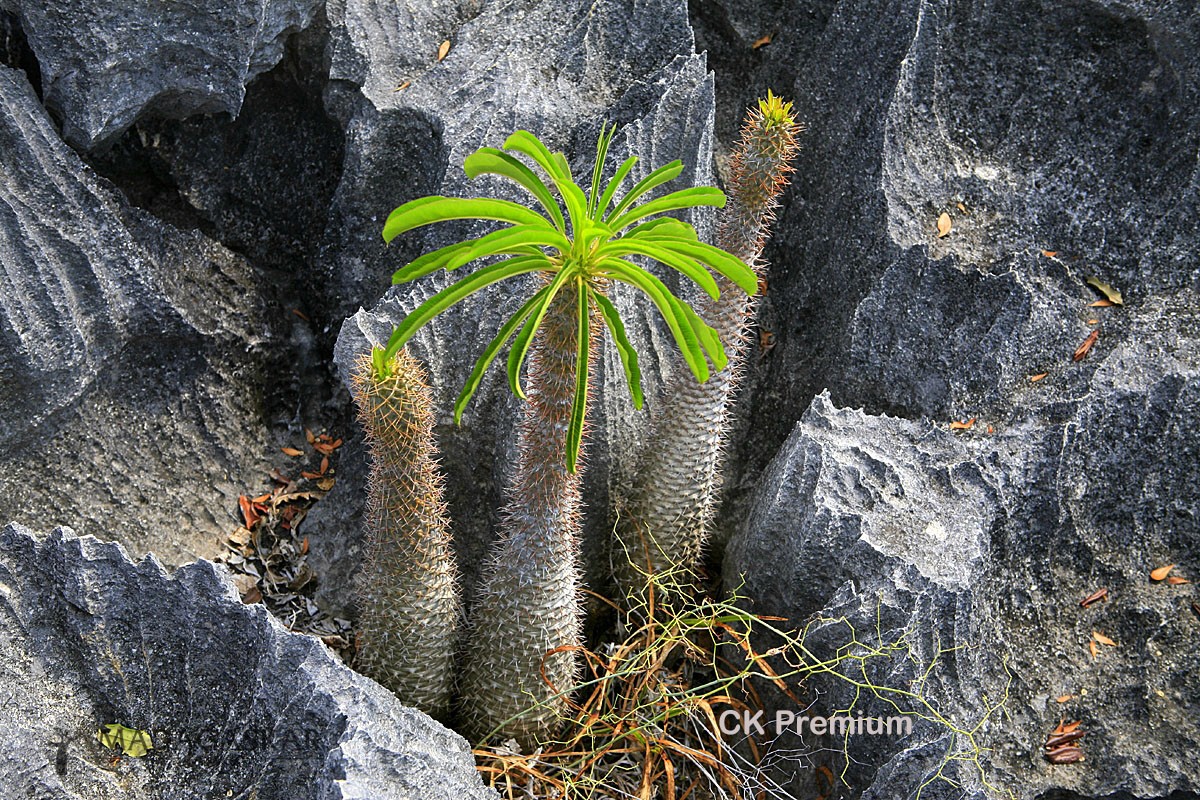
309 436
1111 294
249 515
944 225
962 426
312 476
291 451
402 86
325 484
1175 580
1094 597
324 464
761 41
1049 253
1161 572
1083 349
1093 322
1064 698
961 207
301 314
1065 755
1101 304
326 448
1102 639
1095 651
1038 377
443 50
1196 609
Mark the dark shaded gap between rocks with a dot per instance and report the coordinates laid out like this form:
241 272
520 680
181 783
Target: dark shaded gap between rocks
15 51
261 184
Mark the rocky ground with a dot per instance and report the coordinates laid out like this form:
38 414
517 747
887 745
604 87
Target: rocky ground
941 436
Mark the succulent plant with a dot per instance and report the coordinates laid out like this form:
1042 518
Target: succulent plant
407 589
520 661
676 485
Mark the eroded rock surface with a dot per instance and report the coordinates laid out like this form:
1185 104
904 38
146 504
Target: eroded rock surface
132 355
235 705
103 65
1061 140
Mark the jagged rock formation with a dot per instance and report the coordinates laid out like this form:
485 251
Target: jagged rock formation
1069 128
132 355
235 705
102 66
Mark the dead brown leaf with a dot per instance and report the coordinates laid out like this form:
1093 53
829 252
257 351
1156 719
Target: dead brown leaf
1095 651
291 451
762 41
1082 350
404 85
1175 580
1161 573
944 224
962 426
1049 253
1064 698
1102 639
1038 377
443 49
326 448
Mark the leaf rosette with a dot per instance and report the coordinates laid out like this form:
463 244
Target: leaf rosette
587 248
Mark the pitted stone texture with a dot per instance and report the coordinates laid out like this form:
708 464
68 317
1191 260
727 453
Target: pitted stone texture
236 705
132 355
105 64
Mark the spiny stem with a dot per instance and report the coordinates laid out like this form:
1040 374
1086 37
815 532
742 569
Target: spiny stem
676 486
408 603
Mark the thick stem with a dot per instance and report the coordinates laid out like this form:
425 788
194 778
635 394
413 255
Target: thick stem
527 617
408 605
677 483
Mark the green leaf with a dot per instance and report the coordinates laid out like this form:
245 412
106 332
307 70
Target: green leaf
429 210
665 173
728 265
684 198
614 184
455 293
489 160
629 356
520 348
663 228
132 742
525 142
671 309
555 165
505 240
582 353
709 339
606 136
671 258
489 355
429 263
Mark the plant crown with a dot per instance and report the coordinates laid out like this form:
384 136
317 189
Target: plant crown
587 250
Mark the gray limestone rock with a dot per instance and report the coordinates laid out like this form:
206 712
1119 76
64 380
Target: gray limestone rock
132 355
1070 128
103 64
235 705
